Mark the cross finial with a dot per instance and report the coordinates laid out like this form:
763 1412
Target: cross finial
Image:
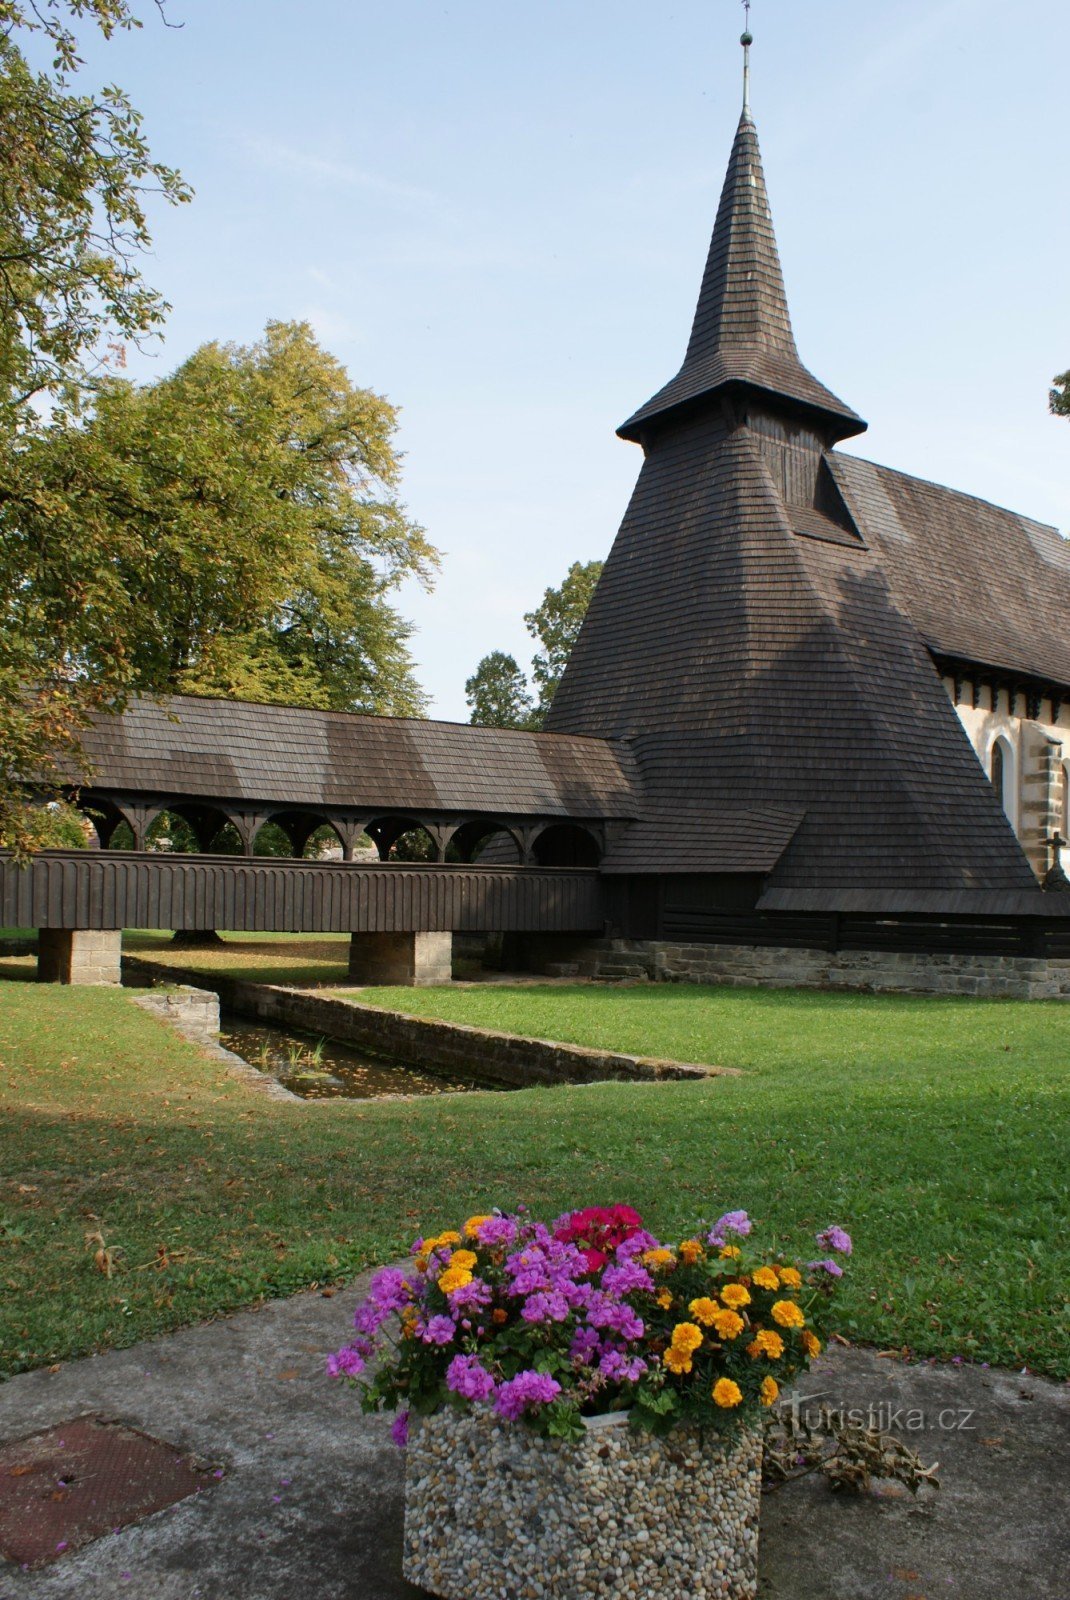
746 40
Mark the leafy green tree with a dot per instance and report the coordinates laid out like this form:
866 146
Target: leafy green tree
1059 398
556 623
74 174
497 693
247 505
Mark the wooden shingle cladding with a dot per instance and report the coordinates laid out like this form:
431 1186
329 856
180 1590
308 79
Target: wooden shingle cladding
279 756
982 585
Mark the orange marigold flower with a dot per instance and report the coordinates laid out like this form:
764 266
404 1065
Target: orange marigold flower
790 1278
498 1316
769 1391
685 1336
704 1310
664 1299
810 1343
658 1258
473 1225
735 1296
766 1278
766 1342
787 1313
678 1361
726 1393
690 1252
454 1278
463 1258
729 1252
728 1324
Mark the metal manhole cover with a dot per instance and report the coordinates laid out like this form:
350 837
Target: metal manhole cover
63 1488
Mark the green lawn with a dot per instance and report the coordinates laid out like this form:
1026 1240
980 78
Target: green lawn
302 960
935 1131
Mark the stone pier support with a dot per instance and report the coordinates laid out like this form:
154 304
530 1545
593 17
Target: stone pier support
412 960
78 955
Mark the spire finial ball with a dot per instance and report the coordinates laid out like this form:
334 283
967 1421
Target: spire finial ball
746 39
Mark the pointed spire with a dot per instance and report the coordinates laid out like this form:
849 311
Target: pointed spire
742 330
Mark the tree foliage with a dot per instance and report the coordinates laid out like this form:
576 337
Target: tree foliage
556 624
74 174
497 693
1059 397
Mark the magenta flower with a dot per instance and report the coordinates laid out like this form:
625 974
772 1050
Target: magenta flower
833 1268
736 1222
399 1429
468 1378
540 1307
528 1388
345 1363
836 1239
440 1330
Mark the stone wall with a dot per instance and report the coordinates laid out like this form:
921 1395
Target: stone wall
776 967
78 955
479 1054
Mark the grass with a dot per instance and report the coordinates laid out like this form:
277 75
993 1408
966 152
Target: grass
285 958
934 1130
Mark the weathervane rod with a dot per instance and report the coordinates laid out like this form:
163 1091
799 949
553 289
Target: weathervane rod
746 40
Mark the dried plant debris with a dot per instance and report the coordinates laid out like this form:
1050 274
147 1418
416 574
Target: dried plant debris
848 1456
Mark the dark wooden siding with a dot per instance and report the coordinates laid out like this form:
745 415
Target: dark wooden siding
926 935
121 889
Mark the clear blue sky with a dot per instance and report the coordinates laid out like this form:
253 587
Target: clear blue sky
497 215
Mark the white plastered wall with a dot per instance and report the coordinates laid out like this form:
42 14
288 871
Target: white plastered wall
1036 753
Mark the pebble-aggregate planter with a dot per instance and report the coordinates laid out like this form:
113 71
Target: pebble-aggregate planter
492 1509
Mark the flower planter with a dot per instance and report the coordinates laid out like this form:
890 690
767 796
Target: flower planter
493 1509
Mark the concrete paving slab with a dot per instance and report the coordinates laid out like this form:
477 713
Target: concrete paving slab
310 1499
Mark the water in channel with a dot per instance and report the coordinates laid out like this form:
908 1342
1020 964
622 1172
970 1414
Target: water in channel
324 1069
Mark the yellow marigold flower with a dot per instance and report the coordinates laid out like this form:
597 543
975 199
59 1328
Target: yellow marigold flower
766 1342
728 1324
766 1278
463 1258
769 1391
454 1278
409 1318
787 1313
690 1252
664 1299
729 1252
685 1336
726 1393
473 1225
790 1278
678 1361
658 1258
735 1296
810 1343
704 1311
420 1263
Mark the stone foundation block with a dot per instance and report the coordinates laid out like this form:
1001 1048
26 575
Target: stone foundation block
405 960
78 955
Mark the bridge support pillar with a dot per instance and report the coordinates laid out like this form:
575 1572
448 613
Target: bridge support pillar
78 955
409 960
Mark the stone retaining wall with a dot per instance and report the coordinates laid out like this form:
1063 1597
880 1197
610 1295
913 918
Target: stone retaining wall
498 1059
781 967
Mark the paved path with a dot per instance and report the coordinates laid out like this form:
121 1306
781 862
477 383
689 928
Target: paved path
310 1505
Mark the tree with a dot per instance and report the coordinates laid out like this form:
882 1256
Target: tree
236 525
73 179
497 693
556 623
1059 397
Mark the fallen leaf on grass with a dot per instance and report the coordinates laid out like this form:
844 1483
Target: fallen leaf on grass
284 1377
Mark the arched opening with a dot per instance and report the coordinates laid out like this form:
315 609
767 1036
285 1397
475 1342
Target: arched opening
566 844
171 832
1064 802
298 835
1001 772
487 841
105 819
402 839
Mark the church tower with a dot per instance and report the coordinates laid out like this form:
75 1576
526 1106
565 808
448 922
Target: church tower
796 747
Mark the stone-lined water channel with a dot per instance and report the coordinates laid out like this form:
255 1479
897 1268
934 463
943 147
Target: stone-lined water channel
325 1069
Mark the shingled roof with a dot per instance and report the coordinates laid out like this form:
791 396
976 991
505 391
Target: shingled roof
748 641
237 751
979 583
742 329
